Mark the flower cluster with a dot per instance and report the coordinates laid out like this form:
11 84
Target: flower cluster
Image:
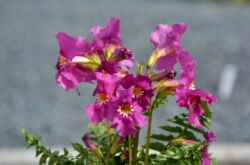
121 97
168 52
125 101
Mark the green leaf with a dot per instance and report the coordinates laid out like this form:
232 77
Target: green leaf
52 160
162 137
207 111
157 146
78 147
180 120
173 129
160 98
43 159
206 122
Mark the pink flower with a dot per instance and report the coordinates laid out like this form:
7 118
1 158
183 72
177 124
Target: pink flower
69 74
142 88
105 93
210 137
166 40
109 35
128 114
192 98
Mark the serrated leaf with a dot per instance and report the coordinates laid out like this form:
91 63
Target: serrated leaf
207 111
174 129
43 159
162 137
180 120
157 146
78 147
206 122
160 98
189 135
52 160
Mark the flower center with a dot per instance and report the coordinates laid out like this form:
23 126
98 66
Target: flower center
62 60
192 85
137 92
125 110
102 98
104 71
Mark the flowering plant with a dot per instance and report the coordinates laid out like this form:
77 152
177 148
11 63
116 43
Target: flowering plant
125 102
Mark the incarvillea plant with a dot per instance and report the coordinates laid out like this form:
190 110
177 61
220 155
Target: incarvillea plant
125 101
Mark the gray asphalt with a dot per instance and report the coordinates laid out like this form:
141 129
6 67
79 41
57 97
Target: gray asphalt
30 98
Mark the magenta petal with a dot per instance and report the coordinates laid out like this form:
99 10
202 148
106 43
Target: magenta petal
193 119
188 67
125 127
70 76
210 137
179 28
70 46
94 113
158 37
107 35
138 117
205 160
166 62
126 64
107 83
167 36
64 82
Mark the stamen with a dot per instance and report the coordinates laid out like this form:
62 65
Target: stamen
62 60
137 92
192 85
125 110
102 98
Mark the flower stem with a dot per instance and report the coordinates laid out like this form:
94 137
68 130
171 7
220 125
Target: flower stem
136 143
148 133
130 150
109 133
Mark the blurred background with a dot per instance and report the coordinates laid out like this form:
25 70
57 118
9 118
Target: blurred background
218 37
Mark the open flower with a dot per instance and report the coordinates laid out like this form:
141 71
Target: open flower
192 98
105 93
166 40
69 69
128 114
109 35
142 88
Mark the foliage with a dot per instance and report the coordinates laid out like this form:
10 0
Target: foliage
47 156
181 142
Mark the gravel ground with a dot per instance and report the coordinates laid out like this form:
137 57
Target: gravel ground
218 35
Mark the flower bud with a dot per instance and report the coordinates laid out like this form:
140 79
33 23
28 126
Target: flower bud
91 147
163 75
89 144
183 141
171 83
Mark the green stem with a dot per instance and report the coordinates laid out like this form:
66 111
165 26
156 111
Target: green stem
130 150
136 143
109 133
148 133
